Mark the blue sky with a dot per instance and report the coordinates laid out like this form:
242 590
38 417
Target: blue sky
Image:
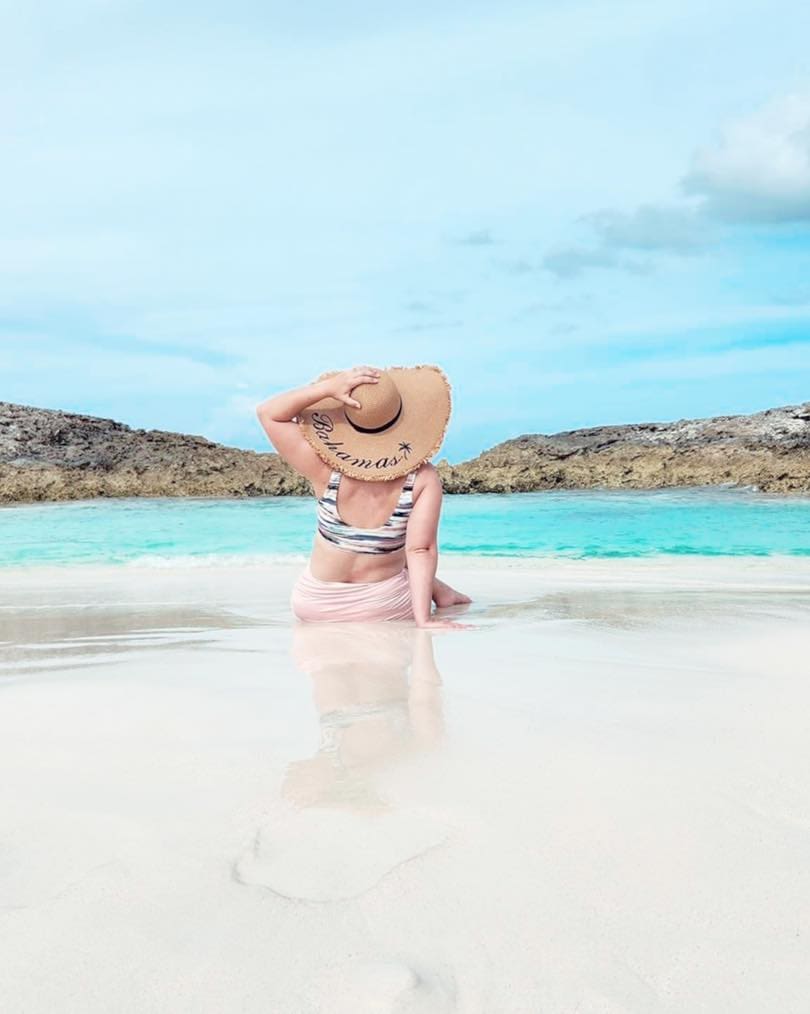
586 212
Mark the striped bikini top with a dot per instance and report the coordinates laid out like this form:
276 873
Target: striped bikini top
386 539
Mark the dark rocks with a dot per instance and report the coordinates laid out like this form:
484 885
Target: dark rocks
769 450
48 455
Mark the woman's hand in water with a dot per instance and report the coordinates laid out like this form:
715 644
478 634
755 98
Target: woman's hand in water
342 384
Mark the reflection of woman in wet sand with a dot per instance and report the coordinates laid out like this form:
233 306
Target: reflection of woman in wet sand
370 712
341 824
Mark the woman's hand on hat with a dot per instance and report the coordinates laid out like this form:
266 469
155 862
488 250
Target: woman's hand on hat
342 384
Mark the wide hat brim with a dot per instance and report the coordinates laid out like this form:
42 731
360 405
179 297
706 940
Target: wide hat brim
413 439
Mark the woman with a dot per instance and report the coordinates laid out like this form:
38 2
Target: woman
356 434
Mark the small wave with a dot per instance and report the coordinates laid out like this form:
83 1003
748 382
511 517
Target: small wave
153 561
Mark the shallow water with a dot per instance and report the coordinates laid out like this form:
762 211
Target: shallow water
716 522
595 801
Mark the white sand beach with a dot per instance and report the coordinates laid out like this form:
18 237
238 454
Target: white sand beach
597 801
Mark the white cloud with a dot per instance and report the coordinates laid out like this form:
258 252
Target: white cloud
759 168
757 172
572 261
648 229
651 227
478 237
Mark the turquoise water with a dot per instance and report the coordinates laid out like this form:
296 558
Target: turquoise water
575 524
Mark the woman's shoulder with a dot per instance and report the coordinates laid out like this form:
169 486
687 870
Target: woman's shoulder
425 475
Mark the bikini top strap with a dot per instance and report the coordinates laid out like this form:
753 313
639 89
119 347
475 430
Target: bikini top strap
331 485
409 481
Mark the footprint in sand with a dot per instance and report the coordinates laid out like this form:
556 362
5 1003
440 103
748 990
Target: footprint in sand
392 986
327 855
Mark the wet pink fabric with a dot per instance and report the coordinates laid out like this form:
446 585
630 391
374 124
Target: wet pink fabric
317 601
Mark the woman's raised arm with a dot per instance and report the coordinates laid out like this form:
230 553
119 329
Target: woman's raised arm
278 414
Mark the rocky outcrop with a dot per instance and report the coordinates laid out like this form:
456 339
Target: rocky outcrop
769 450
49 455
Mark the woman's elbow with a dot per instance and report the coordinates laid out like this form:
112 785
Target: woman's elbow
421 549
268 423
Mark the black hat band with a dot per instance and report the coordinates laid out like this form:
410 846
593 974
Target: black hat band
375 429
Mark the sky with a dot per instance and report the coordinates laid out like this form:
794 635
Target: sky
585 212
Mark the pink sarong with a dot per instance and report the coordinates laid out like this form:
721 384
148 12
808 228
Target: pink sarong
317 601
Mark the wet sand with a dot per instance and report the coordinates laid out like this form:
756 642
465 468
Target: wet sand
597 801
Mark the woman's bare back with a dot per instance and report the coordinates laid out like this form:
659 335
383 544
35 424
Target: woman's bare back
362 505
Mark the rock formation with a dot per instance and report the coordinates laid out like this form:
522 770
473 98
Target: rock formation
769 450
47 455
50 455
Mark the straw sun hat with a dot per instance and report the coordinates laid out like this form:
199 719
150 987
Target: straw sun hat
401 423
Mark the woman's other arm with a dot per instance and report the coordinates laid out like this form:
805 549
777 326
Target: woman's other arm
278 417
422 551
